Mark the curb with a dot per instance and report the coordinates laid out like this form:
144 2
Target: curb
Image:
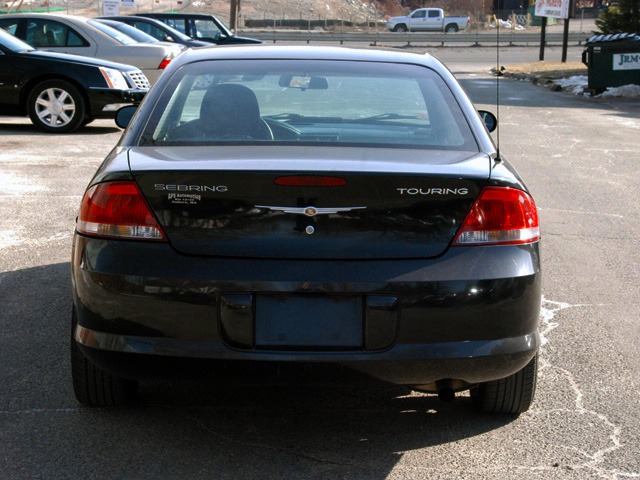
537 79
547 82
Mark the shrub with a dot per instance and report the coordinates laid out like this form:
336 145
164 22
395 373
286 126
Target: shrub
623 17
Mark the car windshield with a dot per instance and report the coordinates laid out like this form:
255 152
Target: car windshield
12 43
304 102
113 33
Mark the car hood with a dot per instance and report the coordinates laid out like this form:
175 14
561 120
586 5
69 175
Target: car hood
199 43
78 59
237 39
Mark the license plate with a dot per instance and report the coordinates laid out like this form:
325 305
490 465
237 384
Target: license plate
308 321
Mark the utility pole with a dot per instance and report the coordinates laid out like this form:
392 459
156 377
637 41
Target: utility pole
565 33
233 17
543 38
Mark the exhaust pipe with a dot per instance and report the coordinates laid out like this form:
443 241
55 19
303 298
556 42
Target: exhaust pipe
446 393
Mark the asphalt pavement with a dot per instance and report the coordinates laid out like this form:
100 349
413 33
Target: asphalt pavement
578 155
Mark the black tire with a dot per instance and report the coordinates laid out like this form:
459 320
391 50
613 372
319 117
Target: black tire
512 395
56 106
93 386
451 28
400 28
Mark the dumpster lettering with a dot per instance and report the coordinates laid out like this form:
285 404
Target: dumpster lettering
626 61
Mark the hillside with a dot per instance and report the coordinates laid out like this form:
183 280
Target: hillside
354 11
348 10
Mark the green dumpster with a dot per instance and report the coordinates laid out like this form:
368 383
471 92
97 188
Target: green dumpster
612 60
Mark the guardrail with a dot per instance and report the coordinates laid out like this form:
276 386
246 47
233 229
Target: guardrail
413 38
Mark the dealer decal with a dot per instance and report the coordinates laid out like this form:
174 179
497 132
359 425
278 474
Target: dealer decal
184 198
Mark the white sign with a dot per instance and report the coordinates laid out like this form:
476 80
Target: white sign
111 7
626 61
128 4
552 8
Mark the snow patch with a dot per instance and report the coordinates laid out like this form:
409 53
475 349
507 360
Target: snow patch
578 86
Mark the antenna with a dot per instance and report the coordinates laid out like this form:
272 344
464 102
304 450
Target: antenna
498 75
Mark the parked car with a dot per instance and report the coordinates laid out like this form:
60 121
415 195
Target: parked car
201 27
428 20
60 92
130 31
81 36
157 30
308 205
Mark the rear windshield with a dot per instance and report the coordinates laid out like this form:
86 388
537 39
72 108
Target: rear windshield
308 103
113 33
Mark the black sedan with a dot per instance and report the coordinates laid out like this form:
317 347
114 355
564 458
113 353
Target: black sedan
158 30
61 92
202 27
325 207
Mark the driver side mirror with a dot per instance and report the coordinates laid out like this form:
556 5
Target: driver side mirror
124 115
489 119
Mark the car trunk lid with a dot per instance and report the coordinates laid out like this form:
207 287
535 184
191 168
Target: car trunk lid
310 203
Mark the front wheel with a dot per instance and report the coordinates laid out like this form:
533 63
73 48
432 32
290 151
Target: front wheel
400 28
56 106
512 395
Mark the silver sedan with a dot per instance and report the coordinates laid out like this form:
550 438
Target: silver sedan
82 36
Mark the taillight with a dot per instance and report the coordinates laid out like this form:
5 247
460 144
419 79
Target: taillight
500 216
117 210
164 63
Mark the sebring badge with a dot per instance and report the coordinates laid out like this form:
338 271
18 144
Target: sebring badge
309 211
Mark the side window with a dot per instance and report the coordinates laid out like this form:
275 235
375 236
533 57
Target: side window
177 23
419 14
206 28
434 14
75 40
9 25
40 34
45 33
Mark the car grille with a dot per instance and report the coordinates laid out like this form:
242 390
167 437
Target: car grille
140 80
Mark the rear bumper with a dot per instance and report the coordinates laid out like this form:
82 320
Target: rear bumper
471 314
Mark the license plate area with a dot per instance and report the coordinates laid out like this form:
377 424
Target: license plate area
308 322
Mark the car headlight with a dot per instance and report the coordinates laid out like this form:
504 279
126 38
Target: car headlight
114 78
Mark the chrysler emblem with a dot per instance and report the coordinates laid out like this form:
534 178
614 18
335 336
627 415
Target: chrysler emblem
310 211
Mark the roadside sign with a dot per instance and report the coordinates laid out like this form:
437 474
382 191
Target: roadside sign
111 7
552 8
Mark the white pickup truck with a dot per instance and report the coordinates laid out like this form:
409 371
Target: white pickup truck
428 19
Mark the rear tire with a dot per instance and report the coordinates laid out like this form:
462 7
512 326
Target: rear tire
93 386
512 395
451 28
